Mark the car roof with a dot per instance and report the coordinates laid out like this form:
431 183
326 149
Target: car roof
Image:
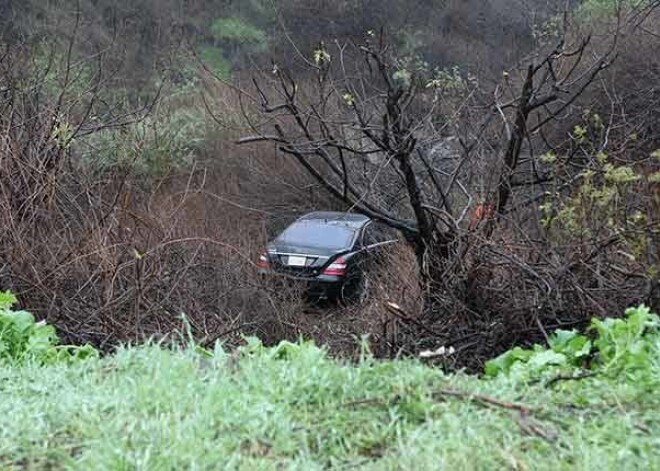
353 220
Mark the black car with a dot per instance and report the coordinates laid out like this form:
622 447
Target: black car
330 252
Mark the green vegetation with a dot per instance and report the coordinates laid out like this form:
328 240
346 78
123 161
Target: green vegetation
599 206
105 109
166 141
609 7
620 345
213 58
292 407
231 36
237 31
22 340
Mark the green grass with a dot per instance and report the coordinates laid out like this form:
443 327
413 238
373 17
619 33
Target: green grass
291 407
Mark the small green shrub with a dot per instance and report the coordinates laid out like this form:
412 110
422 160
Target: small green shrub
213 57
22 339
611 199
161 143
597 10
609 7
237 31
619 344
231 36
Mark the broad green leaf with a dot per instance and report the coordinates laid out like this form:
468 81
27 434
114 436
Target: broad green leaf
545 358
503 363
22 321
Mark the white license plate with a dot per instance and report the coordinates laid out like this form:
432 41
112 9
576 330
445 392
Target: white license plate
297 261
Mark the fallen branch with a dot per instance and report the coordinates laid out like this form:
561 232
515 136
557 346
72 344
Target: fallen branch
523 412
523 409
483 400
570 377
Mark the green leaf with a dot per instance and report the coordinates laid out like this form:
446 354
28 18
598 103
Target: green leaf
504 362
22 321
321 56
7 300
568 342
545 358
561 338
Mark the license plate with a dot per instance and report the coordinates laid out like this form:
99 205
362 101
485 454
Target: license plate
297 261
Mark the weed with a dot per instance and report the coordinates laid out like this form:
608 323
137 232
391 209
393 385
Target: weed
22 339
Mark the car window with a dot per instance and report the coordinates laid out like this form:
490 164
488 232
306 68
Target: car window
369 236
311 233
375 233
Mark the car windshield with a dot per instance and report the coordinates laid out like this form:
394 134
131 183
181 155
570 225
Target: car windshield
318 234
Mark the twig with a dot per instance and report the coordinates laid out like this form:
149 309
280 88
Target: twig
483 399
523 409
570 377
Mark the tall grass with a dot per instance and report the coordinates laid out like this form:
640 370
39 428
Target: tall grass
291 407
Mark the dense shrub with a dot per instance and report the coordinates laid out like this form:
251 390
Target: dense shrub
167 141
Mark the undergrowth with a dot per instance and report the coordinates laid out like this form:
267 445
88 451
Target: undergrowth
588 401
24 340
609 347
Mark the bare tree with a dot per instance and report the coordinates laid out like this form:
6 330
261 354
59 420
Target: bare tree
369 126
526 206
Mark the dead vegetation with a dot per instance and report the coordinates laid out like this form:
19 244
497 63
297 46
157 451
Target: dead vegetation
539 218
538 209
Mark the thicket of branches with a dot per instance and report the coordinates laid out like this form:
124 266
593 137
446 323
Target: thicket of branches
100 237
525 203
526 200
